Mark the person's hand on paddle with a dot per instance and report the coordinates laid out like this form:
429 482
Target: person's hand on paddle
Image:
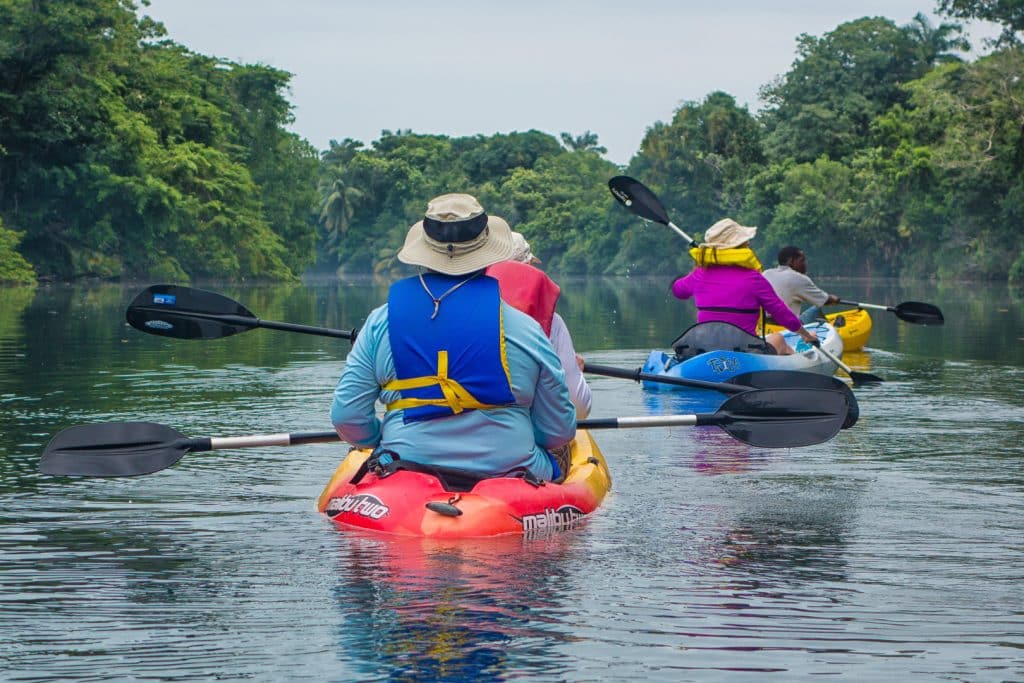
808 337
580 362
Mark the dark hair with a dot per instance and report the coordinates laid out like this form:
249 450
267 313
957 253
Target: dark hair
787 254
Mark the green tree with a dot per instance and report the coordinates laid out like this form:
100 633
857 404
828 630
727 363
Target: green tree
840 82
587 142
340 153
337 207
1009 13
937 44
282 165
971 118
486 158
227 235
14 269
120 148
698 165
393 179
700 160
369 197
562 206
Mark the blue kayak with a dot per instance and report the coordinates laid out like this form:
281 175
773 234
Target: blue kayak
713 353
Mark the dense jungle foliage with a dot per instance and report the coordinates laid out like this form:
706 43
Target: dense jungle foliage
126 155
123 154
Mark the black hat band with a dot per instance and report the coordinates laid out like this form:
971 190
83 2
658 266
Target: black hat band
455 231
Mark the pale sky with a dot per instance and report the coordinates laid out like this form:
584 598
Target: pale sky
463 67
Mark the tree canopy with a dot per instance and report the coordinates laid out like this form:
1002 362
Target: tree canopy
1008 13
123 154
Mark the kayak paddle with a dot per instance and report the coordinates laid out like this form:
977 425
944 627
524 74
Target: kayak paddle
767 418
761 379
128 449
639 199
188 313
915 312
859 378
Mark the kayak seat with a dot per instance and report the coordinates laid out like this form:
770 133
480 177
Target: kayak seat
385 463
717 336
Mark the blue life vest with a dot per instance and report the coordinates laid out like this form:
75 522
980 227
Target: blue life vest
455 361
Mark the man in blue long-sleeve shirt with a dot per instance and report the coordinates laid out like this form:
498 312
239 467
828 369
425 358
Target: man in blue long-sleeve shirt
468 381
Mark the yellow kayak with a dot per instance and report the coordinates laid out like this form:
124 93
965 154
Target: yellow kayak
854 327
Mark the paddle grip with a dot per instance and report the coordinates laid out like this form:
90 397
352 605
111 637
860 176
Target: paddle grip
598 423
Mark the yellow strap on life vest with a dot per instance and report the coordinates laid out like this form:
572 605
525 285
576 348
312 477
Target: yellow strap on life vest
504 346
456 396
743 257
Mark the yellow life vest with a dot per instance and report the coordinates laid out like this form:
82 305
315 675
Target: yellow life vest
744 257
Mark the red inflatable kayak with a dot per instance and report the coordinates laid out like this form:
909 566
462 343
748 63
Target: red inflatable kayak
413 503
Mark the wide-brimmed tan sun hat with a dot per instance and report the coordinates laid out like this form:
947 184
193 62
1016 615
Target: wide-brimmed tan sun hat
522 253
456 236
727 234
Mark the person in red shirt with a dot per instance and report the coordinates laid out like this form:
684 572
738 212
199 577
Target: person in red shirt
530 290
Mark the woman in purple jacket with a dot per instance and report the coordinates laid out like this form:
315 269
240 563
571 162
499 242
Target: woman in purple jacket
727 285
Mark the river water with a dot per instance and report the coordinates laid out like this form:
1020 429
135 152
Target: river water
892 552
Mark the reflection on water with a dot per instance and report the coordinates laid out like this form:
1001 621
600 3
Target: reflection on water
786 538
858 360
891 552
715 452
416 609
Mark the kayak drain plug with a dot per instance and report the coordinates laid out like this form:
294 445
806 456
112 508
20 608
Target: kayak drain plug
446 509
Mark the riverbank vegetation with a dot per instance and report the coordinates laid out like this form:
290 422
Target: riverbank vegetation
123 154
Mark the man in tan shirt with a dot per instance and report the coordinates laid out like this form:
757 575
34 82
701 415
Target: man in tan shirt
789 280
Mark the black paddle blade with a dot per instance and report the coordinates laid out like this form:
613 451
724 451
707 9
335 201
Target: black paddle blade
919 313
187 313
636 197
123 449
781 418
861 379
792 379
